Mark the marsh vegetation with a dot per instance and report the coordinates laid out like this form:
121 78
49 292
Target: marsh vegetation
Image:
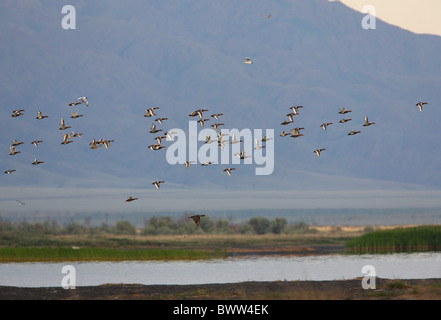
411 239
165 238
161 238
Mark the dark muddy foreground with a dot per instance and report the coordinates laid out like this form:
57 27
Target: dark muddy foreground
427 289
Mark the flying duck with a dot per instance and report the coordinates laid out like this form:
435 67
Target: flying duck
228 170
154 129
420 105
325 125
37 162
84 100
216 125
10 171
188 163
242 155
291 119
74 134
20 202
66 138
198 113
295 109
74 104
159 139
216 115
17 113
247 60
353 132
107 143
258 146
63 125
130 199
295 133
75 115
36 142
344 120
207 163
366 122
197 219
94 144
13 151
284 134
150 112
16 143
40 115
160 120
202 121
234 140
168 134
318 151
66 141
208 139
156 146
285 122
156 183
343 111
296 130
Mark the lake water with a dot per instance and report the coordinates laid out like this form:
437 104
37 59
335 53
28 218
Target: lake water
327 267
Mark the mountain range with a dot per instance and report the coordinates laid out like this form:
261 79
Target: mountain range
185 55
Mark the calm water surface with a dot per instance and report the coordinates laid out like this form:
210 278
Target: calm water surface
328 267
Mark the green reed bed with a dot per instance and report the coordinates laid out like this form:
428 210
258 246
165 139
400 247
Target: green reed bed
414 239
102 254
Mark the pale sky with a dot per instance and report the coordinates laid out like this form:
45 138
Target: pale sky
418 16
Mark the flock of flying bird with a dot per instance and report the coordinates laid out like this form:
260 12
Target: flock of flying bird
150 112
295 133
94 144
63 126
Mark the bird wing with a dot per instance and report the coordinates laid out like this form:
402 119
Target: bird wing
197 220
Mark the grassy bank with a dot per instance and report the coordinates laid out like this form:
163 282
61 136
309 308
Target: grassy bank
414 239
166 247
102 254
28 246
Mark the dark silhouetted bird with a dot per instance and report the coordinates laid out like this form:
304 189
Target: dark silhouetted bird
197 219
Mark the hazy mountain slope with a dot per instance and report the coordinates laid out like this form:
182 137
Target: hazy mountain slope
182 55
